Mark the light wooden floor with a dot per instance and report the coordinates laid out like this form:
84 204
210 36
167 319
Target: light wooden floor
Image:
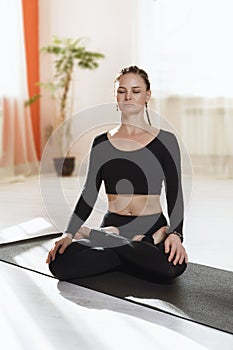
39 314
208 228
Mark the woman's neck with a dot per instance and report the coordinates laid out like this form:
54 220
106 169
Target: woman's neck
133 124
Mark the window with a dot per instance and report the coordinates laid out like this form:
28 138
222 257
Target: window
186 45
10 38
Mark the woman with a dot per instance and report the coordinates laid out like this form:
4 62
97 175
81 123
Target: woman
134 160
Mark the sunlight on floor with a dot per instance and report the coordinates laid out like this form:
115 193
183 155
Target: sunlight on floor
160 304
28 229
17 320
27 316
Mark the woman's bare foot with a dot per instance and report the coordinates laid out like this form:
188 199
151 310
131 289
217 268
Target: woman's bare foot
138 238
83 232
111 229
160 235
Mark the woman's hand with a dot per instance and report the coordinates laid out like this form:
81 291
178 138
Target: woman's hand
59 246
173 245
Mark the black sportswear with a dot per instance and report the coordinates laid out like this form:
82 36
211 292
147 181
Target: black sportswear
140 171
105 252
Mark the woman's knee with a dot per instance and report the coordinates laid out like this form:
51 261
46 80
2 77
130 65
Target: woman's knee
156 261
62 266
81 263
176 270
57 270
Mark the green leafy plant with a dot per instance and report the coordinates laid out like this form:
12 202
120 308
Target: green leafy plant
68 53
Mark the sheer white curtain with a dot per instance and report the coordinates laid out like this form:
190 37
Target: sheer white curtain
205 125
18 157
186 48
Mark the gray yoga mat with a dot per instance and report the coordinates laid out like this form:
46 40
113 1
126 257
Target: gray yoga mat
202 294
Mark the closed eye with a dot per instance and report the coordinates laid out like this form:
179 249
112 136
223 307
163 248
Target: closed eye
124 91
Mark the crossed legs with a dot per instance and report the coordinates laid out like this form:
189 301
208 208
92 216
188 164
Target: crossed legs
85 257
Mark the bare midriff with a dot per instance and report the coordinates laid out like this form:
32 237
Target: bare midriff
134 204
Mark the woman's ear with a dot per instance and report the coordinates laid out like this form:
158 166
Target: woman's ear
148 95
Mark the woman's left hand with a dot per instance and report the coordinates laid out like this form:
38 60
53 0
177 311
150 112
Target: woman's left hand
173 245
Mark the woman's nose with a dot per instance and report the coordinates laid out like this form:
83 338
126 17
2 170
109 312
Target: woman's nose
128 95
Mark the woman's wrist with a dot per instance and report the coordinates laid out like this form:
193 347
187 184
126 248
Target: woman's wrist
67 235
177 234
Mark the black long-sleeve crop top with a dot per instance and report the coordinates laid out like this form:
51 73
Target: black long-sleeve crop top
140 171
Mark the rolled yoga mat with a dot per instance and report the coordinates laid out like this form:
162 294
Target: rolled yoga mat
27 230
202 294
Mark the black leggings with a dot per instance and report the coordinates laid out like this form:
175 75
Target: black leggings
108 252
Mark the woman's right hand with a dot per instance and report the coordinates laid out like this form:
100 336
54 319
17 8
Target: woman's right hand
60 246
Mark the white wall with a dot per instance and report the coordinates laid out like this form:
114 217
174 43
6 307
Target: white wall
1 127
109 27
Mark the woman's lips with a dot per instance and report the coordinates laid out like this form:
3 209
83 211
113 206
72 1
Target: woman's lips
128 104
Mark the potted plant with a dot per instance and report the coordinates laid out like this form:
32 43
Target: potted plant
68 54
